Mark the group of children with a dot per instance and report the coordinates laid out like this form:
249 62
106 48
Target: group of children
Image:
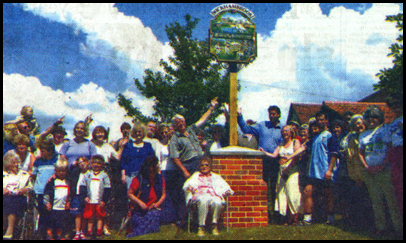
83 193
61 193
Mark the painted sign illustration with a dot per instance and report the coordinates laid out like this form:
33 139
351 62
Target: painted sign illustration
233 35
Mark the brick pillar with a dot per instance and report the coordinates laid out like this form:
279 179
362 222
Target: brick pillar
242 169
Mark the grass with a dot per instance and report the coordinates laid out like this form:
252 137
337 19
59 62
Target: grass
270 232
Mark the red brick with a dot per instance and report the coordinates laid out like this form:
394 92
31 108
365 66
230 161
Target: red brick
261 198
245 188
232 198
245 199
253 183
249 177
245 220
238 204
240 172
226 172
237 183
252 204
233 177
258 167
255 172
261 219
238 193
233 220
245 209
253 224
260 209
239 225
238 215
255 162
226 162
241 162
264 192
233 167
254 214
260 188
248 167
233 209
253 193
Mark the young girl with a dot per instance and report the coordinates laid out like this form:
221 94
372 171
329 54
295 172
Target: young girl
78 199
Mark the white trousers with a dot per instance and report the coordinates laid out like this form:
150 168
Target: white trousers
288 194
205 204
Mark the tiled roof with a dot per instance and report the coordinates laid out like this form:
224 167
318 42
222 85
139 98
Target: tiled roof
305 111
359 108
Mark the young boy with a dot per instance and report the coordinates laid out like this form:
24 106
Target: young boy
78 198
57 200
44 168
96 183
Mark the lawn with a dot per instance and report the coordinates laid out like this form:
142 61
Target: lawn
271 232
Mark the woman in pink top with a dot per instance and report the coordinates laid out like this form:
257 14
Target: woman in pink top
207 190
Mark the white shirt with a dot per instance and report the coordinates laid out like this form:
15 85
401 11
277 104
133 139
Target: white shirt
61 194
107 151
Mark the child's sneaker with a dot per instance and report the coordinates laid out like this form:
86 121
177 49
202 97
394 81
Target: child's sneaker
76 237
106 231
82 236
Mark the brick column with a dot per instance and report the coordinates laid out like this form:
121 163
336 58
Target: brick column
242 169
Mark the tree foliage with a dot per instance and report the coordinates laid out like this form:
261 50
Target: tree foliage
391 79
191 79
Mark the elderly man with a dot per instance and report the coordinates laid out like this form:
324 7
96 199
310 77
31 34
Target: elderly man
185 152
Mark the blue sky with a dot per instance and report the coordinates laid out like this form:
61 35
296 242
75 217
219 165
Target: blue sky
73 59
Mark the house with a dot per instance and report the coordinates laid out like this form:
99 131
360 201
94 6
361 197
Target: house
335 110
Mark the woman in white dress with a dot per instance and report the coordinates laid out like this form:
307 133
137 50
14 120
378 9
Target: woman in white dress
287 189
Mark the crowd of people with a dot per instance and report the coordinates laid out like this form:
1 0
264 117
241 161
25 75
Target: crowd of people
155 171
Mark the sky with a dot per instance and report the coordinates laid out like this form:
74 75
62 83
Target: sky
72 59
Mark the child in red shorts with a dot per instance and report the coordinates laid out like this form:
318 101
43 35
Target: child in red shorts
97 186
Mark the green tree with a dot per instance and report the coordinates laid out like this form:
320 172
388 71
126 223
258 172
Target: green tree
391 79
189 82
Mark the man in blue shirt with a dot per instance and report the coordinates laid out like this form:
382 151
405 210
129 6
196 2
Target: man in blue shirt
323 168
269 136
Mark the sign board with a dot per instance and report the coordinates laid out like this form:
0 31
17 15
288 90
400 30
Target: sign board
233 36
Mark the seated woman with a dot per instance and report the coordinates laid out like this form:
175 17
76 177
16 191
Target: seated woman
207 190
147 193
16 185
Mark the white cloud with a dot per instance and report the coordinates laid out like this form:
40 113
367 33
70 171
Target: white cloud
110 34
75 106
324 57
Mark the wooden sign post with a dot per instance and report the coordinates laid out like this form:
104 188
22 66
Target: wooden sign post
233 40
